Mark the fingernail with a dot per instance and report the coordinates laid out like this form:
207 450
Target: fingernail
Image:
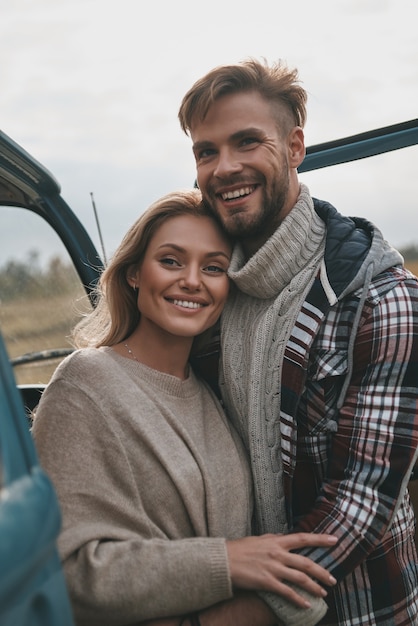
307 604
332 580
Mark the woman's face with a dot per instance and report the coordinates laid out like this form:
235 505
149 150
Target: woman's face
182 280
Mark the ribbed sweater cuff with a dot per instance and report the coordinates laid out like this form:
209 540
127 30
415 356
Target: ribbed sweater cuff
220 578
291 615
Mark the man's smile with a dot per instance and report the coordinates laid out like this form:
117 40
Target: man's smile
238 193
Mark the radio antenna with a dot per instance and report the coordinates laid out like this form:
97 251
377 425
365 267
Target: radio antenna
98 228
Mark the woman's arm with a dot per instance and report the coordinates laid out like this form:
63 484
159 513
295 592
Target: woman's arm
119 563
263 563
108 536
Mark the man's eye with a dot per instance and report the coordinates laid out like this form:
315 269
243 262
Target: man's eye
249 141
204 154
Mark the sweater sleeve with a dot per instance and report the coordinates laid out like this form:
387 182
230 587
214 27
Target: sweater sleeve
120 568
290 615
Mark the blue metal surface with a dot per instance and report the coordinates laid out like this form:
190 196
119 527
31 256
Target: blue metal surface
32 585
361 146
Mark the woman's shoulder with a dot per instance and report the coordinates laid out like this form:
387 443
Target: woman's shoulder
84 362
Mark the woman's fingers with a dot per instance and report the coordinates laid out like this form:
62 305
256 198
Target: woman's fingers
268 563
294 541
298 564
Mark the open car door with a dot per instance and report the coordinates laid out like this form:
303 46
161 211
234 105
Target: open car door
32 585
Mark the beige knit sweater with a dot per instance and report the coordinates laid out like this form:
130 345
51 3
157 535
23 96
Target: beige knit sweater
150 478
255 327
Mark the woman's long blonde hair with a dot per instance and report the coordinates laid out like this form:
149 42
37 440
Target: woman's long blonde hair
116 314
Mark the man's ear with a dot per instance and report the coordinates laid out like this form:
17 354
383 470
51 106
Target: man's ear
297 150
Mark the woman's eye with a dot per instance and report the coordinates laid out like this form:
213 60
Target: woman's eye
215 269
169 262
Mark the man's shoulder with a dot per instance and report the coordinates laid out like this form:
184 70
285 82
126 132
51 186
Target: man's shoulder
395 287
390 279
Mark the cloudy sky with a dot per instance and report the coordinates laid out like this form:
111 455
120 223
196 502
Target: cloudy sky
91 88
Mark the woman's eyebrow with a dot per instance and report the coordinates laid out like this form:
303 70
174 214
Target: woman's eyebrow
175 246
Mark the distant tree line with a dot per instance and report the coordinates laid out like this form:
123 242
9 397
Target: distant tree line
410 253
23 279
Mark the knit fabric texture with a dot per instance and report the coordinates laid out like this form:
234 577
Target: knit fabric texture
151 479
255 327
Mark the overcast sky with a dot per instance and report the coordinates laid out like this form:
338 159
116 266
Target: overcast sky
91 88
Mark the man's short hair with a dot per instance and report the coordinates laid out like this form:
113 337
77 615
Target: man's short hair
276 83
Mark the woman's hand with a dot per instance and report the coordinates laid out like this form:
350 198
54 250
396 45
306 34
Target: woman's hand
266 563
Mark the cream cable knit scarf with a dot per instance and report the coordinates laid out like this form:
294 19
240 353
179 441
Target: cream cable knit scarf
256 325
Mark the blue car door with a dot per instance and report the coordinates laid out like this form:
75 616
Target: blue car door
32 585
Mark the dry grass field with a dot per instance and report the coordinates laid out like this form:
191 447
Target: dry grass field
39 324
412 266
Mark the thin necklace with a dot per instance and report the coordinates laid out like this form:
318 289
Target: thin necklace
130 352
186 374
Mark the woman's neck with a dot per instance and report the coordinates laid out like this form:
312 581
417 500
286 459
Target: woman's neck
161 351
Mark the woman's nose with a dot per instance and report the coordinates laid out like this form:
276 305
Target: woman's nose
191 278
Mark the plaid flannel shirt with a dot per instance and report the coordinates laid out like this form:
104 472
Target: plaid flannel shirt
347 468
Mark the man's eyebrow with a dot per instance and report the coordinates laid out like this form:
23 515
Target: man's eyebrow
239 134
245 132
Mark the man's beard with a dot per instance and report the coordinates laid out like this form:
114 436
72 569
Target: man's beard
263 224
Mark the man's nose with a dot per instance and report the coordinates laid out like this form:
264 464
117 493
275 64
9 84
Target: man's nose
228 163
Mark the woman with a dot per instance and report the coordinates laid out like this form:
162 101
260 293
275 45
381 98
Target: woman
150 476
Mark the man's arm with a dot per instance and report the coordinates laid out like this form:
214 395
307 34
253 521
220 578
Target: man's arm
374 448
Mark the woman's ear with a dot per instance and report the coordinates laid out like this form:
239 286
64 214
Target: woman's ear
133 276
297 150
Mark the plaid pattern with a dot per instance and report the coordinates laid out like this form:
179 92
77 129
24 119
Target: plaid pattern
347 469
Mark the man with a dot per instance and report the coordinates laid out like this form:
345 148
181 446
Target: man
319 367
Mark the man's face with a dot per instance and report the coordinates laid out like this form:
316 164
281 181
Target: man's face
243 167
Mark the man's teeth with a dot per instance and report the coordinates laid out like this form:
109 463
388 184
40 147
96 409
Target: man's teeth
187 304
237 193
